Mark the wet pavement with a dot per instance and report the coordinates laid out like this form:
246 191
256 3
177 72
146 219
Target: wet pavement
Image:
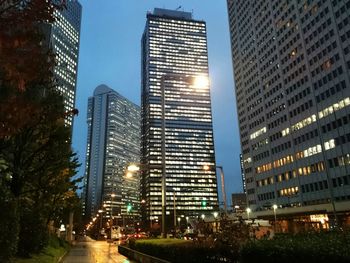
91 251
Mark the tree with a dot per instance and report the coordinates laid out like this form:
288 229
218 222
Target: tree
36 160
24 59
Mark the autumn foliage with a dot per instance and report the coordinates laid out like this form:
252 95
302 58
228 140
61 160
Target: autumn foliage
37 164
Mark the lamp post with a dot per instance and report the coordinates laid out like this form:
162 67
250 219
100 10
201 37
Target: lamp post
216 222
274 212
197 82
248 212
112 206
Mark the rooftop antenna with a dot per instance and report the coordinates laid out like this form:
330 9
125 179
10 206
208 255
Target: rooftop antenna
178 8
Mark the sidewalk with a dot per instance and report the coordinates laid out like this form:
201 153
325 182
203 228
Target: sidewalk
79 253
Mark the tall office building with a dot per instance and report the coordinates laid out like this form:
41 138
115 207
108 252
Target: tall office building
113 143
174 52
292 79
63 38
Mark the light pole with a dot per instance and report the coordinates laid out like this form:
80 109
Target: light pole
216 222
100 211
112 196
248 212
274 212
174 197
197 82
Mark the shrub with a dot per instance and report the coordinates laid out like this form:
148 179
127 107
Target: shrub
307 247
176 250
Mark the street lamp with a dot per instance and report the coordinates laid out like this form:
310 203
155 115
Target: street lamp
248 212
274 212
216 223
198 82
222 177
112 196
100 211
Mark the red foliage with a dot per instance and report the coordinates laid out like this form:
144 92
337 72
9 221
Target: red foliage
25 58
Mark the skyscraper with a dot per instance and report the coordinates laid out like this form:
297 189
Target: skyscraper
292 79
113 143
174 53
63 38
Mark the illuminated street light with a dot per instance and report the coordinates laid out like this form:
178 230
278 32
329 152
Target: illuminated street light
248 212
203 216
112 196
274 212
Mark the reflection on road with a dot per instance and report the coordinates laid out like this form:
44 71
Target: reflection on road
91 251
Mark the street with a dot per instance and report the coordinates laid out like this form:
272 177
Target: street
91 251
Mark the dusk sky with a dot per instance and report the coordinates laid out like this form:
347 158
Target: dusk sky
110 53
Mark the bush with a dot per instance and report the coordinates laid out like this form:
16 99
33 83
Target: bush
307 247
176 250
55 250
9 228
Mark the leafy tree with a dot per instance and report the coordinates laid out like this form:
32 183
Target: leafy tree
36 160
24 60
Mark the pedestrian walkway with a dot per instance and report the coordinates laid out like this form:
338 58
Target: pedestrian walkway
79 253
88 250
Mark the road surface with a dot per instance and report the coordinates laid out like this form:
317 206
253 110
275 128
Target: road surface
91 251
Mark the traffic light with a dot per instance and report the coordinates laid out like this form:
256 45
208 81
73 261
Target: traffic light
128 207
204 203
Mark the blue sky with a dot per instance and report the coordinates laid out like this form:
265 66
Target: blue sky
110 53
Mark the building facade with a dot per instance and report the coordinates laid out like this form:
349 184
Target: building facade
63 37
174 55
113 143
239 202
292 81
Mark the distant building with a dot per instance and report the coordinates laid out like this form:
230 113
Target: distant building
174 52
113 143
292 80
63 37
239 201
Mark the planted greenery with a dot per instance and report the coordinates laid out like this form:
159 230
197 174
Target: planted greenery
306 247
231 246
52 253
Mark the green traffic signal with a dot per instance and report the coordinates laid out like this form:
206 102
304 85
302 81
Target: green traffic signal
204 203
128 208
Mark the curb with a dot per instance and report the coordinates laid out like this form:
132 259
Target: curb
60 260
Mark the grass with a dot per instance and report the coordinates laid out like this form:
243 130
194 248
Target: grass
51 254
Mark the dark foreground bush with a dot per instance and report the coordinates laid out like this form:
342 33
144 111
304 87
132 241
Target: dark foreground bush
309 247
55 249
181 251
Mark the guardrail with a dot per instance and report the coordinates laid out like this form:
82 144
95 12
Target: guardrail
138 256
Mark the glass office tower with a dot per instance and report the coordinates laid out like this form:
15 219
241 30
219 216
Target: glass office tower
63 38
292 79
113 143
174 53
